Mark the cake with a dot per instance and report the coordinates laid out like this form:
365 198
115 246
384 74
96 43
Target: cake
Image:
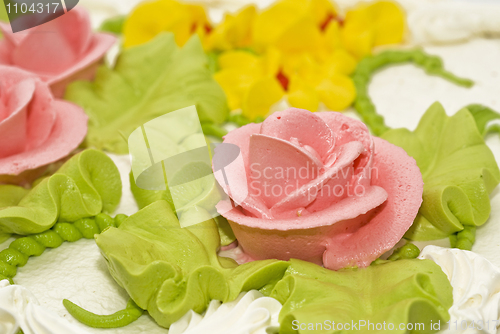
77 271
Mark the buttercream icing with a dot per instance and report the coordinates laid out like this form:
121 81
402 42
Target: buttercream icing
20 310
476 290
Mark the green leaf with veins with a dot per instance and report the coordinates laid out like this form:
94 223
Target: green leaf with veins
148 81
483 115
458 169
170 270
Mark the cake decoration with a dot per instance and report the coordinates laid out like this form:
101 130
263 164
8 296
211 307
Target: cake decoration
458 168
487 120
476 294
151 18
368 66
298 48
147 81
87 184
322 189
66 49
35 128
251 312
21 310
168 280
307 58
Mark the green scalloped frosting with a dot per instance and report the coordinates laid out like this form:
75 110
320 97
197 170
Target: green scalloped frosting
458 169
400 292
87 184
483 116
170 270
148 81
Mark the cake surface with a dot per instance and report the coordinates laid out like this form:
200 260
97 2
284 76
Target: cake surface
77 271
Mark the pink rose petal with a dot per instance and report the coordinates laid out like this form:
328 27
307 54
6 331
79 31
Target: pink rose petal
278 168
65 49
306 127
309 192
336 231
401 178
68 132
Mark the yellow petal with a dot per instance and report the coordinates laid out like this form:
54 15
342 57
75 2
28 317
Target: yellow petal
271 62
333 39
259 98
235 82
301 95
339 62
389 22
358 41
238 59
321 11
304 66
150 18
302 36
271 23
337 92
235 31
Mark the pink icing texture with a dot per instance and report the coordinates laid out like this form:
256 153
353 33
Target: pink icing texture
320 188
35 129
59 52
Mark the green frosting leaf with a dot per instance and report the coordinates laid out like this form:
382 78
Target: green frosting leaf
113 25
148 81
87 184
170 270
483 115
400 292
458 169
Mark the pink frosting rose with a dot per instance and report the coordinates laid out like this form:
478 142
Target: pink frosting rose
320 188
35 129
59 52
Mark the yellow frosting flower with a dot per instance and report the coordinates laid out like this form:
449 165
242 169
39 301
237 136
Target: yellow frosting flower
150 18
292 25
233 32
300 48
250 81
370 25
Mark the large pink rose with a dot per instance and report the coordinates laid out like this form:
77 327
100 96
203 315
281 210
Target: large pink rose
320 188
35 129
59 52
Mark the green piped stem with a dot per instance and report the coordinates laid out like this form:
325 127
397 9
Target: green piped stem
432 65
121 318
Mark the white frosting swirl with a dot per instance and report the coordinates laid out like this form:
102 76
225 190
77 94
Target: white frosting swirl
476 289
19 309
250 313
451 22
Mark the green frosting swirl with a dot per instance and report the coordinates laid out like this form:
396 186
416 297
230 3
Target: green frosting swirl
458 169
170 270
368 66
87 184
